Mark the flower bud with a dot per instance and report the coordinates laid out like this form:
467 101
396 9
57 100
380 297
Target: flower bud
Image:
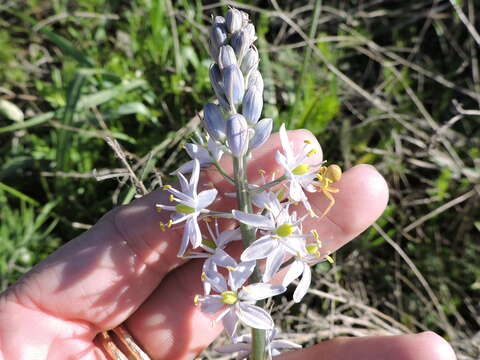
241 41
216 80
234 84
262 129
218 35
250 30
250 60
256 79
213 121
252 105
233 20
226 57
237 135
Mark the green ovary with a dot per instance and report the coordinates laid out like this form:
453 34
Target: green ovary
184 209
229 297
210 243
301 169
285 230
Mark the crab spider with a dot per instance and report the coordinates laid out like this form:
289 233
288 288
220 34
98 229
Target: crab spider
325 177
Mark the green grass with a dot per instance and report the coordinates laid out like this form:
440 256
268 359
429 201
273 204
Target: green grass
379 85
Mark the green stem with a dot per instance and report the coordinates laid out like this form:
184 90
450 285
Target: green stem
269 185
248 237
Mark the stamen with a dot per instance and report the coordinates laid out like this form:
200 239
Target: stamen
307 141
166 187
261 172
312 152
171 198
329 259
196 300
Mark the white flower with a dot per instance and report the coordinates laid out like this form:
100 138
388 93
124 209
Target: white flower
299 173
309 255
205 155
189 206
235 301
282 234
243 345
214 252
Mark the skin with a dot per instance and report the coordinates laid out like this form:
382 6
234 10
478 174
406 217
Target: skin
125 270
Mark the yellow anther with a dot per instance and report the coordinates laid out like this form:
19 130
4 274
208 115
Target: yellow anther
301 169
312 213
313 249
329 259
196 300
166 187
170 223
261 172
312 152
333 173
285 230
203 276
171 198
162 226
307 141
280 195
315 235
231 268
158 208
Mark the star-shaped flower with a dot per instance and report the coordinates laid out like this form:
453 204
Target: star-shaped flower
189 207
297 170
236 302
282 234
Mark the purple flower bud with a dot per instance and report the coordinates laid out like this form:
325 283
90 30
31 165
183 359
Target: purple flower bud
262 129
252 105
227 57
241 41
233 20
237 135
213 121
234 84
216 80
255 79
250 60
218 35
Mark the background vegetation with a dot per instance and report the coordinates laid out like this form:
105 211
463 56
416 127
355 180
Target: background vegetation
92 91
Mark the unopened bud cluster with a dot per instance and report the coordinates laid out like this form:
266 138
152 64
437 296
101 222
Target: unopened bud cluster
272 233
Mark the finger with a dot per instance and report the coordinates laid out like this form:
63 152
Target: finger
423 346
170 326
362 198
102 276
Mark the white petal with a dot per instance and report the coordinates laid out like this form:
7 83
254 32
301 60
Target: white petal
285 143
274 261
258 221
254 316
184 244
216 280
303 285
195 233
198 152
237 277
195 176
260 291
227 236
205 198
185 168
221 258
212 304
183 185
259 249
230 322
294 271
296 192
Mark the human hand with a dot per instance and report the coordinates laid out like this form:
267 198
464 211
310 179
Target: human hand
125 270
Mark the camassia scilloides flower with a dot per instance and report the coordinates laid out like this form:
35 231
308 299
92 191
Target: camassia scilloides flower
189 206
